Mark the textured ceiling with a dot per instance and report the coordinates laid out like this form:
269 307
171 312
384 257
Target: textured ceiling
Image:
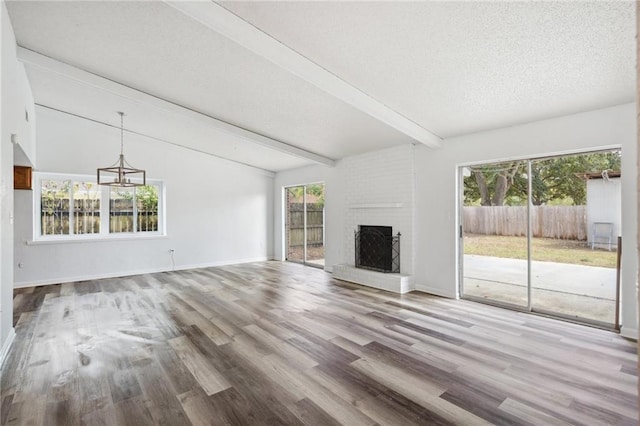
451 67
70 96
460 67
157 50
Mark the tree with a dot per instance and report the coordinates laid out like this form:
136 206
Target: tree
147 197
491 183
295 193
561 177
552 179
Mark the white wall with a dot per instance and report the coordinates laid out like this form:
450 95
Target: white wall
6 261
16 98
379 190
380 177
217 212
435 220
436 188
23 117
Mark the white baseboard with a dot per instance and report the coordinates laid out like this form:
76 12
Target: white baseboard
62 280
436 291
4 352
221 263
629 333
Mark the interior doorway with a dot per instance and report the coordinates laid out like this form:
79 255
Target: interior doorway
304 224
541 235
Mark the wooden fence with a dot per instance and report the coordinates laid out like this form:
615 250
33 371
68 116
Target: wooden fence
563 222
315 225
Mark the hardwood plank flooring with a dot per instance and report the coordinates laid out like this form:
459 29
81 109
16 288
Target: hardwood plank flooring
280 343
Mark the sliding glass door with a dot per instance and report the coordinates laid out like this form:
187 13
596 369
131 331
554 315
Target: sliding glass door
576 218
495 233
542 235
304 224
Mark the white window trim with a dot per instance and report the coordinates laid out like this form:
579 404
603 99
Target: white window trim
104 234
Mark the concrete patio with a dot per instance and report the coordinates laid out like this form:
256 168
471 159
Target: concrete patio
575 290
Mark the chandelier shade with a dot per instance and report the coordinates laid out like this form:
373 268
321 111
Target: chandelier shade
121 173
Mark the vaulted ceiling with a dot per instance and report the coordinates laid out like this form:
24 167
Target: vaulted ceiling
279 85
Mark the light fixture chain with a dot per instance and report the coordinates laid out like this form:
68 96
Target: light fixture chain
122 133
121 173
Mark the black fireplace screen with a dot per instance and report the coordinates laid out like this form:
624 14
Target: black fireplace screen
377 249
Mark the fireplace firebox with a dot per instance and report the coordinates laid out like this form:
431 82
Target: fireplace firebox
377 248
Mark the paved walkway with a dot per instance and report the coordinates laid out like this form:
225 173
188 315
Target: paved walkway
590 281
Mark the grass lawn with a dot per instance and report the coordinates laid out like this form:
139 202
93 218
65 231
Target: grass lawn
544 249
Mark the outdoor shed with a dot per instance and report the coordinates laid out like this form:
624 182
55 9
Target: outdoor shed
603 208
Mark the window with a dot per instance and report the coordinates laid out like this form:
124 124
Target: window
121 213
76 207
86 208
147 208
131 209
54 211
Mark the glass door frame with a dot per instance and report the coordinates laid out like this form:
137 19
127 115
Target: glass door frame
460 217
529 306
285 242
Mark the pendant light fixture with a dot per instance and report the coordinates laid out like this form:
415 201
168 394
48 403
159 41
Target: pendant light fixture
121 173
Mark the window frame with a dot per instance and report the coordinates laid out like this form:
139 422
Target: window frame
104 196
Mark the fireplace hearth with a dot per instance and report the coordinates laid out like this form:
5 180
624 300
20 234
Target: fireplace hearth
377 249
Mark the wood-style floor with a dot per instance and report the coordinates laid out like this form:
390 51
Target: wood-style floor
279 343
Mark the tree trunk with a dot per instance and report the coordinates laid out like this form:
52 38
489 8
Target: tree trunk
504 180
485 198
502 186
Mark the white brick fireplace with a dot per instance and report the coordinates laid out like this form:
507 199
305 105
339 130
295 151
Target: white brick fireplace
380 191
